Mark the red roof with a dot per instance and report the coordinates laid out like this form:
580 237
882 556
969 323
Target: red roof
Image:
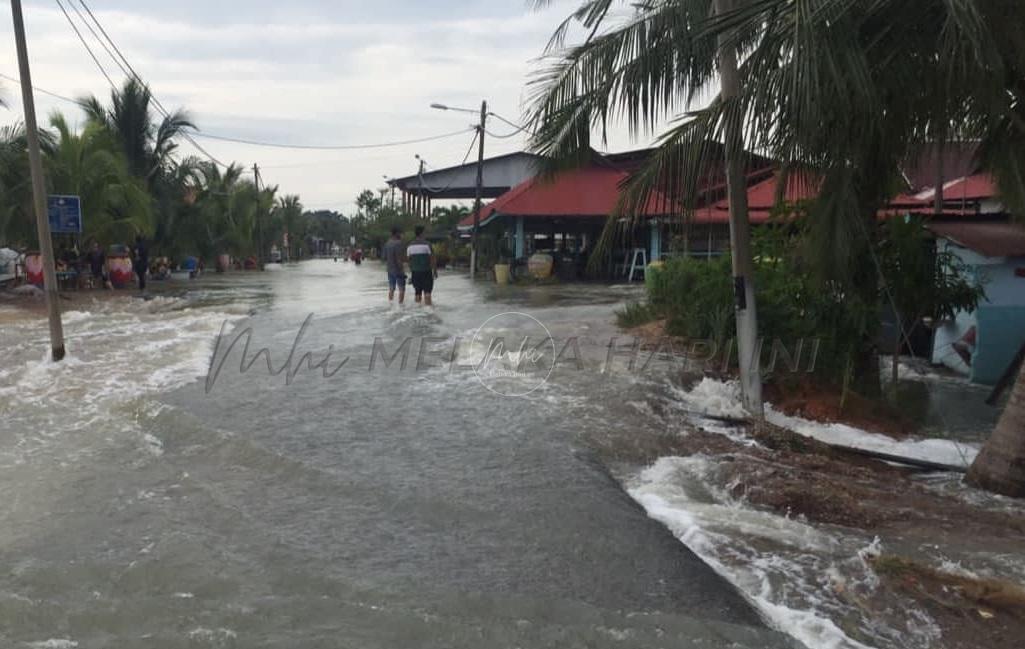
587 192
761 198
967 188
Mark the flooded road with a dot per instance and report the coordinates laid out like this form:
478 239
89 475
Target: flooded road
364 504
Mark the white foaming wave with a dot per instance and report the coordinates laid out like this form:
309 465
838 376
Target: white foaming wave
776 577
943 451
712 397
54 643
722 399
106 367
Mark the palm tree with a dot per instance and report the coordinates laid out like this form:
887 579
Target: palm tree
849 88
16 224
17 221
91 165
288 214
1000 466
147 145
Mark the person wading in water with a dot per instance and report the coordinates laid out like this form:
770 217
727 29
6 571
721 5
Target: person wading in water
422 266
140 260
394 259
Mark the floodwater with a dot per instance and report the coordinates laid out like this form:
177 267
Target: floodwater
149 501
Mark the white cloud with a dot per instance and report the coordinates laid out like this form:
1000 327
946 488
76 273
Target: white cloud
314 82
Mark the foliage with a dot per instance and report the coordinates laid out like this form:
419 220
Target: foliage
697 297
921 282
848 88
634 314
123 163
88 164
445 219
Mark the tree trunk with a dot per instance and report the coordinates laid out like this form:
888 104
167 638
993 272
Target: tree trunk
740 228
1000 467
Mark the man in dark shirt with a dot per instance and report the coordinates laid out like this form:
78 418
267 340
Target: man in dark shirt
394 259
96 260
141 261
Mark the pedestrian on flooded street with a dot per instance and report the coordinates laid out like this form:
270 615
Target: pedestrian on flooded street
394 259
140 260
422 267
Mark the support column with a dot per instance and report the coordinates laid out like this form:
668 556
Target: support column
655 252
521 238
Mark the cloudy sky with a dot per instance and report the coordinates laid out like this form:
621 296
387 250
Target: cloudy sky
305 71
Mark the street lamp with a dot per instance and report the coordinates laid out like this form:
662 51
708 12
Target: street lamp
480 176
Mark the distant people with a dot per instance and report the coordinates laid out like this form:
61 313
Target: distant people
140 260
357 256
97 265
394 259
422 267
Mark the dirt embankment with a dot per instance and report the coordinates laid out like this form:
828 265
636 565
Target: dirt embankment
797 476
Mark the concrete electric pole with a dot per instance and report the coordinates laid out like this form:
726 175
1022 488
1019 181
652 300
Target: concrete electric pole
35 162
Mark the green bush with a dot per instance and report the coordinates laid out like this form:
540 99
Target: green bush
634 314
696 297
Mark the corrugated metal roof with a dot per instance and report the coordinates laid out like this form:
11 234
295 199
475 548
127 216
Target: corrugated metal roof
577 193
966 188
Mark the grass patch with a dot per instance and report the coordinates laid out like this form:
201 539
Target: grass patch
635 314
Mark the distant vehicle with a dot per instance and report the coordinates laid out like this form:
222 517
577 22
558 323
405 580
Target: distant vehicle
275 255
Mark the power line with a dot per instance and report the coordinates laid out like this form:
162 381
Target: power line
338 147
330 147
512 124
98 39
38 89
160 108
466 157
504 135
87 48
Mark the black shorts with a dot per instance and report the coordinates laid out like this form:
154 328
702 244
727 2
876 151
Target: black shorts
423 281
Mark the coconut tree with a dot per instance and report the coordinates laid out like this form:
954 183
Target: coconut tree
288 215
16 224
90 164
17 220
1000 466
848 88
148 144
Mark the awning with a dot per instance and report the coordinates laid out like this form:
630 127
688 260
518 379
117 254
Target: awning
988 239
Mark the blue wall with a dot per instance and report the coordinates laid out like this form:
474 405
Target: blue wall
1001 332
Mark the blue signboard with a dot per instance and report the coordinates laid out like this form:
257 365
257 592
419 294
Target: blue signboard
65 213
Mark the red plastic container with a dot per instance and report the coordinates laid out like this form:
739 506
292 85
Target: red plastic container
34 268
120 269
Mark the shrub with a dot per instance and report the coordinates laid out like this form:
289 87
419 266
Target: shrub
696 297
634 314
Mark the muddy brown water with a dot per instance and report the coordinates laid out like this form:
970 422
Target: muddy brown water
146 507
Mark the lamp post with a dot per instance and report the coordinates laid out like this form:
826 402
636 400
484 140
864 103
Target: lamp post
480 177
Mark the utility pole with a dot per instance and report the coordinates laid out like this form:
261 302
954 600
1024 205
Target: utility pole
35 163
480 184
421 197
259 220
740 227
